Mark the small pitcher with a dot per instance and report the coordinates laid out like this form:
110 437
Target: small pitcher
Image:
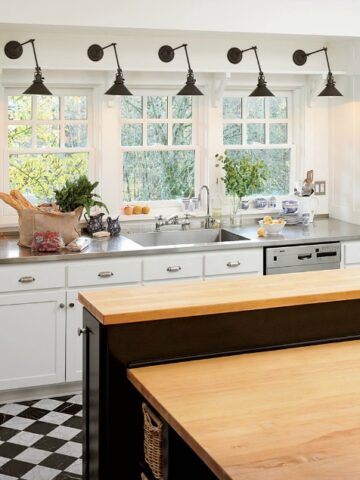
113 226
94 223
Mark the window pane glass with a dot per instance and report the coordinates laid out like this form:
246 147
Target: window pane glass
131 107
157 134
76 135
158 175
232 107
157 107
182 133
255 107
182 107
19 136
36 176
278 107
255 133
47 136
75 107
131 134
278 133
47 107
232 134
19 107
278 163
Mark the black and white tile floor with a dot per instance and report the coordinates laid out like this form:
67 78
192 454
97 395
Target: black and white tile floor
41 439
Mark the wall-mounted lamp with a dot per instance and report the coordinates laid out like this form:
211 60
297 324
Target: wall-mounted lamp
235 55
166 54
96 53
300 58
14 50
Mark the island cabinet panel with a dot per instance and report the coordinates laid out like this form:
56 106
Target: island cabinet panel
234 262
32 340
351 254
172 267
73 340
25 277
115 271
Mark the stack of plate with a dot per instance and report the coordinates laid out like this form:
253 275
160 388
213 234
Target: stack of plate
290 212
291 218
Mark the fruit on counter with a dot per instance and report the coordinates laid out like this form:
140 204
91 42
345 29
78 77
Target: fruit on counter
271 221
261 232
128 210
146 209
137 210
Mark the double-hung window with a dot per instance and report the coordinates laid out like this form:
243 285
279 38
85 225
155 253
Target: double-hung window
159 147
48 141
261 128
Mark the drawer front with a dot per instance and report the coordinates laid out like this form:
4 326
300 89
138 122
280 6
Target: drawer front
104 273
17 278
351 253
169 267
231 262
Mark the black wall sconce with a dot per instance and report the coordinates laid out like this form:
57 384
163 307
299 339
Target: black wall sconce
167 54
14 50
300 58
235 55
96 53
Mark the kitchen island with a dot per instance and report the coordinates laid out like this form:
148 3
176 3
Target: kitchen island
127 328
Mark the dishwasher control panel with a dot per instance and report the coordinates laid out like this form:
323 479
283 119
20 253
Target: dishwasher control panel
301 258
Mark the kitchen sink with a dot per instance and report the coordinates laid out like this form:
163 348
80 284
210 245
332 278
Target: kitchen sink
180 237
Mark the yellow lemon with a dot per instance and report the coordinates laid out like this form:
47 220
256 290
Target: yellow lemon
261 232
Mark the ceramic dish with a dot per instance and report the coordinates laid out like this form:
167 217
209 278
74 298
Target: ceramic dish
272 228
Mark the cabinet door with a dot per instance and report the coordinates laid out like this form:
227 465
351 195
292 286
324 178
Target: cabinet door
32 340
246 261
73 341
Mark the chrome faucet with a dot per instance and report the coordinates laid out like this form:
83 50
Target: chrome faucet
161 221
208 220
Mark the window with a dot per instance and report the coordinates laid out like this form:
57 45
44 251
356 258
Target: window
48 142
158 147
260 128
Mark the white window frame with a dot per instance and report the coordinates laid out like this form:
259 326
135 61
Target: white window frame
289 94
9 215
197 111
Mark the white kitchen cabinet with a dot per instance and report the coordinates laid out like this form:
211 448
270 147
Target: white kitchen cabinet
245 261
173 267
32 340
74 315
31 276
350 254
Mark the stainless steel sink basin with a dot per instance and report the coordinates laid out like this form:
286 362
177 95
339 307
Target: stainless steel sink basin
179 237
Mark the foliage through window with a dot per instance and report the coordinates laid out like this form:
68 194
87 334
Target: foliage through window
48 142
259 128
158 147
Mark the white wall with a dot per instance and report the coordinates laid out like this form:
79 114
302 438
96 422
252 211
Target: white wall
303 17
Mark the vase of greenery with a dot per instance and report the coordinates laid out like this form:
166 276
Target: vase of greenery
242 177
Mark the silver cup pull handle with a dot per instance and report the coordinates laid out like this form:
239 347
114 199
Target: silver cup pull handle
174 268
233 264
105 274
27 279
81 331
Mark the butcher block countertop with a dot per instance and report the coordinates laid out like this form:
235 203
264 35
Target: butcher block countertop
165 301
276 415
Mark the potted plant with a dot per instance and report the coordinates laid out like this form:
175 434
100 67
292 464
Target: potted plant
241 177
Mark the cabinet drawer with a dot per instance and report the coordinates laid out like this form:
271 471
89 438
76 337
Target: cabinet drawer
102 273
168 267
17 278
351 252
247 260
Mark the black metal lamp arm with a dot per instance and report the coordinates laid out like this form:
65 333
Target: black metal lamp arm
324 49
184 46
116 55
256 55
32 41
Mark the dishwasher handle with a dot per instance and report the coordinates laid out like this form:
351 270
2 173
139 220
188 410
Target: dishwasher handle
305 256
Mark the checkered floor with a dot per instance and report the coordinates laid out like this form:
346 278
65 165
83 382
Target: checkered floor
41 439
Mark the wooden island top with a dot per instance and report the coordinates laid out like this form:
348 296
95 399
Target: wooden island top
276 415
164 301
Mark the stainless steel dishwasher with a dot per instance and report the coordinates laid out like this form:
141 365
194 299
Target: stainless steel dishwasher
302 258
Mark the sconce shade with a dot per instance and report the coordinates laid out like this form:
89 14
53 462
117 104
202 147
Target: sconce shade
261 90
37 87
118 88
330 90
190 88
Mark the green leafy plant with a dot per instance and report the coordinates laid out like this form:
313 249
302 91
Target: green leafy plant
241 177
78 193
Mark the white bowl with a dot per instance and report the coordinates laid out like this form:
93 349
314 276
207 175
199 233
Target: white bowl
272 228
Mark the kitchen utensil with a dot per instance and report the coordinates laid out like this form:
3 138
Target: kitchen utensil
308 204
113 226
260 202
94 223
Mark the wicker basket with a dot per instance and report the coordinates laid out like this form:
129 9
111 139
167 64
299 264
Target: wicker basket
144 477
153 442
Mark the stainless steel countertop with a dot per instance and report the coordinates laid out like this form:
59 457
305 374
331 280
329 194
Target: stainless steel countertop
322 230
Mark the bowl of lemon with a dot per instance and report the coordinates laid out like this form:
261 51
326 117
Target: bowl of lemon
271 226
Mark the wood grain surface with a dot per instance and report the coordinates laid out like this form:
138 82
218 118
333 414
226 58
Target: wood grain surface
289 414
164 301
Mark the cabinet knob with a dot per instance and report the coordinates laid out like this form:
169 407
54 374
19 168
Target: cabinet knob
82 330
61 305
26 279
71 305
